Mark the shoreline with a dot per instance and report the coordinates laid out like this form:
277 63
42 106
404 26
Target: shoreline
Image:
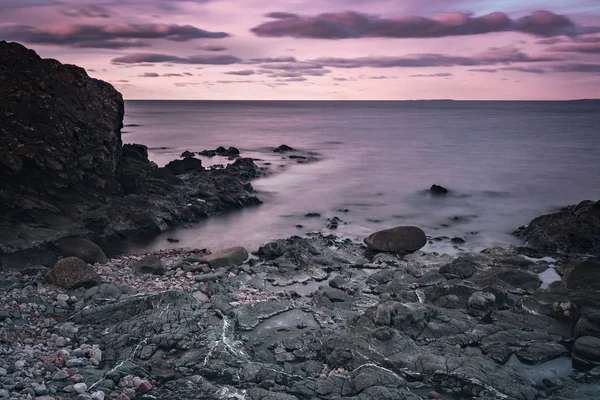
278 311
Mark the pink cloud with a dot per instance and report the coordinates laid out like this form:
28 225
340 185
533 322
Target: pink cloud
349 24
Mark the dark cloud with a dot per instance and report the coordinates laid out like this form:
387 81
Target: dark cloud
382 77
116 36
122 81
488 70
88 12
170 75
351 24
228 82
188 74
578 67
267 60
525 69
340 79
184 84
298 79
586 48
149 75
245 72
143 58
438 75
211 48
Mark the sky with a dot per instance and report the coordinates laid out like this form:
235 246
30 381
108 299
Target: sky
321 49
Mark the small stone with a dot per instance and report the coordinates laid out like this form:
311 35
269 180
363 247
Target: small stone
60 375
144 386
434 395
62 297
3 371
80 388
20 364
60 342
99 395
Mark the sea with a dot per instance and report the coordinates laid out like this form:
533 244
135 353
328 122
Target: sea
503 162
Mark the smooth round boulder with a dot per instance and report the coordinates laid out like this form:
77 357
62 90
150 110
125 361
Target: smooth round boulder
226 257
83 249
398 239
73 273
149 265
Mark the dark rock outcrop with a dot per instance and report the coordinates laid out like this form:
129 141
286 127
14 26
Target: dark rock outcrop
438 190
284 148
574 229
65 173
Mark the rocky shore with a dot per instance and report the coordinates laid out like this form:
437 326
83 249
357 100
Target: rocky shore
316 317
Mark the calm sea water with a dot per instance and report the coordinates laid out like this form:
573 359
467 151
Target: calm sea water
504 162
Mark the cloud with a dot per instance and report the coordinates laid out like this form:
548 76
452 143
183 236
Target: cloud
170 75
578 67
488 70
349 24
245 72
209 47
298 79
149 75
281 15
184 84
525 69
382 77
438 75
115 36
142 58
188 74
267 60
228 82
491 57
586 47
88 12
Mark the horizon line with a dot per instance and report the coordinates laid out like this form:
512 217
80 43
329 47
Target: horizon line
364 101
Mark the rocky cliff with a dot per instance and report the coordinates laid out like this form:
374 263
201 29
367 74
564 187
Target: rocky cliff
65 172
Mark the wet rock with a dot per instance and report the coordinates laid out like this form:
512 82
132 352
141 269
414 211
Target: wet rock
520 279
481 303
312 215
73 273
186 154
149 265
188 164
83 249
584 275
574 229
283 149
227 257
586 353
437 190
398 239
462 268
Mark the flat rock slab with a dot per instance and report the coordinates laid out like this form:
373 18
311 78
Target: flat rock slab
398 239
227 257
149 265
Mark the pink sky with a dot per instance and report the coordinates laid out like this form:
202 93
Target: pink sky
315 49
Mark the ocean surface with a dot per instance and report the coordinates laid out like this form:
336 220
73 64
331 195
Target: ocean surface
504 163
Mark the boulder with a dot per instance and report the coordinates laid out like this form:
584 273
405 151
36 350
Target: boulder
188 164
83 249
227 257
149 265
73 273
481 303
586 353
398 239
186 154
284 148
574 229
584 275
437 190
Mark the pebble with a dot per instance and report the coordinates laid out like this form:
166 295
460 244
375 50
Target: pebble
62 297
60 375
99 395
20 364
2 371
80 387
434 395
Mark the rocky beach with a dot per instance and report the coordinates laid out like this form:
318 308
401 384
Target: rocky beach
312 317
